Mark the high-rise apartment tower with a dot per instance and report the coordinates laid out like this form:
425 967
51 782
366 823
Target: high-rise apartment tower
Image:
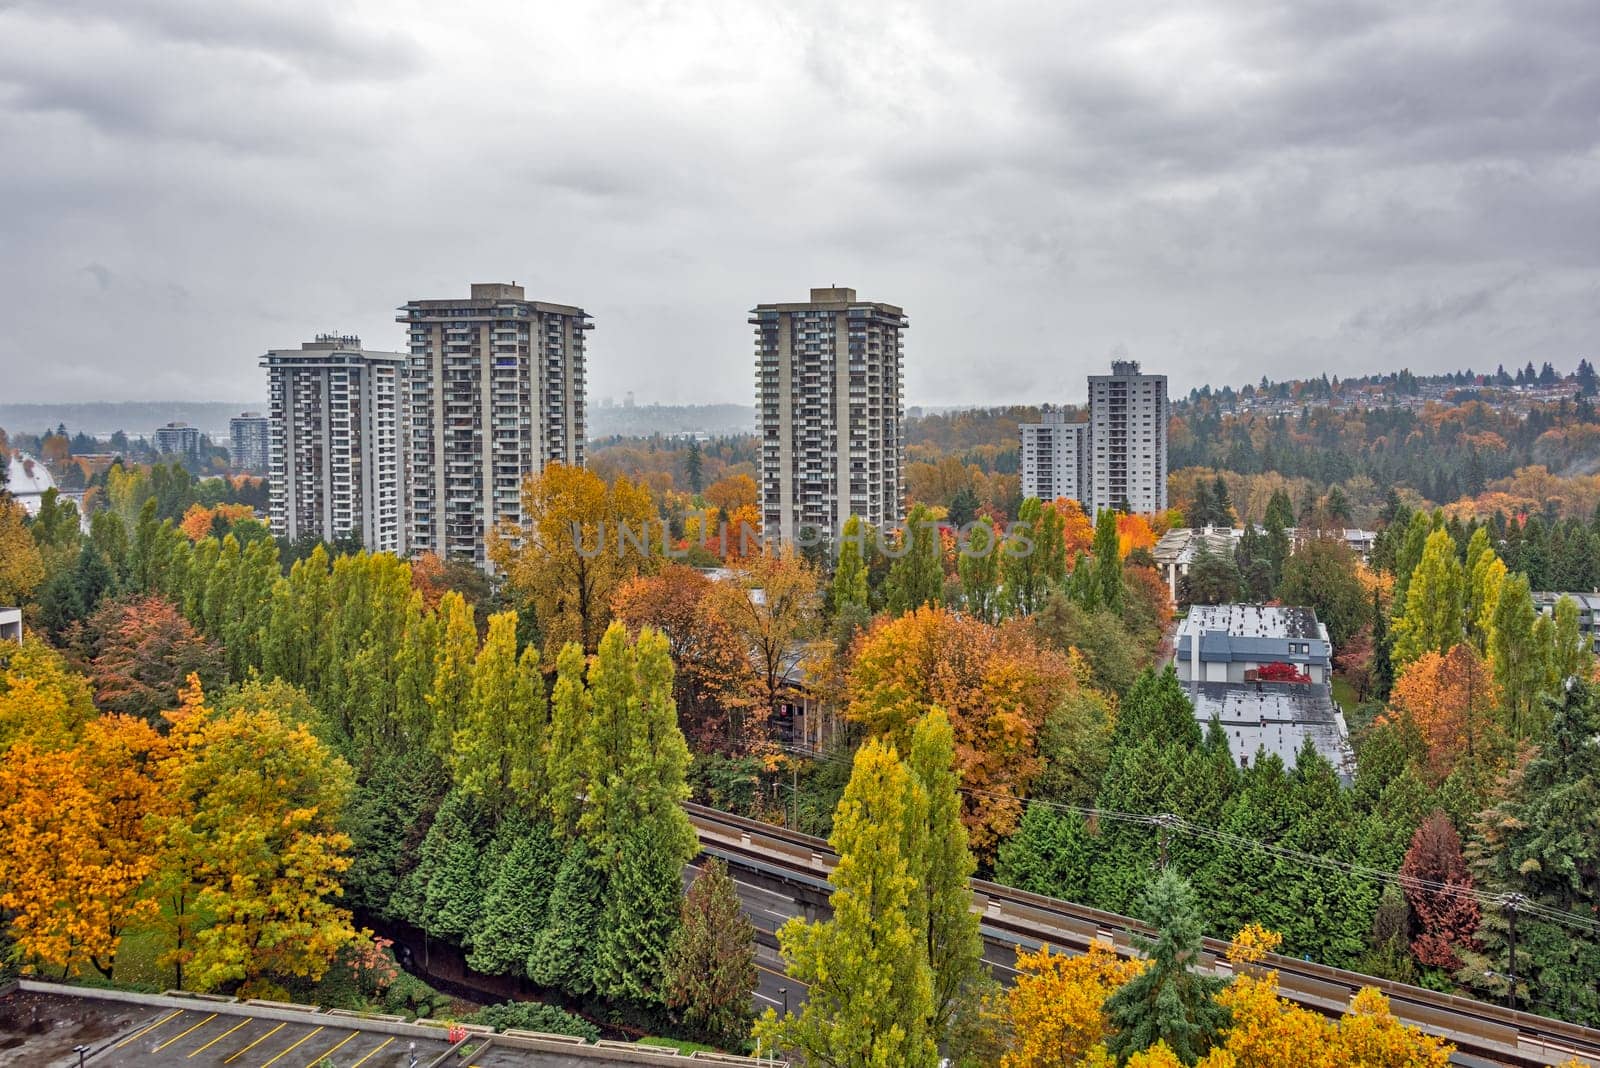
336 461
829 397
250 435
1128 439
1055 457
496 391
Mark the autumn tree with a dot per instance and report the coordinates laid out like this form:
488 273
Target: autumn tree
42 701
713 678
1438 887
996 684
1519 660
869 984
772 604
140 652
1451 700
581 539
849 584
249 859
1057 1004
74 849
21 566
711 959
943 866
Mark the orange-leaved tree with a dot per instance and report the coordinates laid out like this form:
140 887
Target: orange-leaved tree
996 683
1451 698
75 850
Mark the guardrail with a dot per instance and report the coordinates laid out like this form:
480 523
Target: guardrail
1509 1036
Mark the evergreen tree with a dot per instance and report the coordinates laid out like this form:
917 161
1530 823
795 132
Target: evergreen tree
1170 1001
1157 709
1382 651
694 467
1126 854
443 895
518 875
1432 621
1540 843
563 951
643 895
1048 854
954 946
917 577
1211 579
870 987
1221 503
711 959
963 507
388 819
1202 511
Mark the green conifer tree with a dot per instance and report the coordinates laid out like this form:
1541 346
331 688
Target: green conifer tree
518 875
563 951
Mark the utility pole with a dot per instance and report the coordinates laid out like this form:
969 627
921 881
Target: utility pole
794 791
1163 821
1512 902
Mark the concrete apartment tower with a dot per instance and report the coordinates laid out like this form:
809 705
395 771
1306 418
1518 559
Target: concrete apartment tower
336 460
496 392
1128 439
178 439
250 437
829 393
1055 457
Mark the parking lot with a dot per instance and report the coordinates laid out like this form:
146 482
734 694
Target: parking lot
204 1038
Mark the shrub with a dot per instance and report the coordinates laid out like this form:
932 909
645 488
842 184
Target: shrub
534 1016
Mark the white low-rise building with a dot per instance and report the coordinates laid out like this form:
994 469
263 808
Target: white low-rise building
10 624
1234 642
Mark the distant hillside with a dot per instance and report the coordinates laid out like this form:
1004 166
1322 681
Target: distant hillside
644 420
134 418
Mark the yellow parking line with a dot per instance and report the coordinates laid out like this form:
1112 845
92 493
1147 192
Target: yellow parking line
152 1027
225 1034
319 1058
286 1052
254 1044
191 1030
373 1054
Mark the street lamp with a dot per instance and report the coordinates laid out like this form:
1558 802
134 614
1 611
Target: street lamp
81 1051
785 992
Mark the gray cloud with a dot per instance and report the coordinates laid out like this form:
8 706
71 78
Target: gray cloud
1226 188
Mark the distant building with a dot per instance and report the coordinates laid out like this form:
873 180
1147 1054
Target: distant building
178 439
1233 642
496 393
336 465
1588 612
10 624
27 481
1178 547
1055 457
830 409
1128 416
250 435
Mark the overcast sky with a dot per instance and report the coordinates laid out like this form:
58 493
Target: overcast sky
1219 189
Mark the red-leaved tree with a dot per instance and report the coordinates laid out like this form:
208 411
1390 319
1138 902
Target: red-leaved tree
1438 887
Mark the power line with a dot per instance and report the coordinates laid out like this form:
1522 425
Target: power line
1169 821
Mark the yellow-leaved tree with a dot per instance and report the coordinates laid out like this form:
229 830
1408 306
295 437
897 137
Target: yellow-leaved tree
250 852
580 539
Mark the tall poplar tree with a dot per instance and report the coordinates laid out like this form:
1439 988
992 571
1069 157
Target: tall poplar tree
1107 552
979 568
870 985
955 948
917 577
850 567
497 752
1432 620
1519 668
